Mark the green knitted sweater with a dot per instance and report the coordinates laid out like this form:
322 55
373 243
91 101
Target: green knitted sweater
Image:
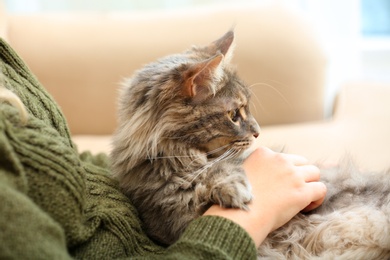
58 204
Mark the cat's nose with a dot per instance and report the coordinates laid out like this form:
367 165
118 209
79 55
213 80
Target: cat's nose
255 129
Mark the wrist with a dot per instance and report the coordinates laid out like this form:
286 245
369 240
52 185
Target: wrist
256 224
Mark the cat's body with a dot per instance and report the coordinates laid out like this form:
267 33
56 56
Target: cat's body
352 223
184 124
166 155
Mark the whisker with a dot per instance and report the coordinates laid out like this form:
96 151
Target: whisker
258 101
188 156
199 172
171 157
210 164
217 149
278 82
274 89
232 154
228 154
212 152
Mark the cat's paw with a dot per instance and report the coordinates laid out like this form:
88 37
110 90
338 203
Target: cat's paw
233 192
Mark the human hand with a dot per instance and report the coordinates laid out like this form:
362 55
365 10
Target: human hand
282 185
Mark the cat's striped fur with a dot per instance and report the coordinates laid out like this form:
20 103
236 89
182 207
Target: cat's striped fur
183 121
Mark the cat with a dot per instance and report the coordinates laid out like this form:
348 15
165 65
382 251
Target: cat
184 128
183 121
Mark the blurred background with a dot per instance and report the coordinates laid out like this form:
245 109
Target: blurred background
319 69
355 34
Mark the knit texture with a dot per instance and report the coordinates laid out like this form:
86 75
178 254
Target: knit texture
59 204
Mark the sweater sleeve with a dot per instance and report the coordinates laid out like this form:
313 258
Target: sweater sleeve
26 231
212 237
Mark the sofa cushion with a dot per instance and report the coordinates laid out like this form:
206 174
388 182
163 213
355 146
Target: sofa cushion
82 58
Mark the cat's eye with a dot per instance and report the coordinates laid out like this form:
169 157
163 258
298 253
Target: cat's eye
234 115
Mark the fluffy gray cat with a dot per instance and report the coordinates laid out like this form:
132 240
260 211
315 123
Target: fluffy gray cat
184 127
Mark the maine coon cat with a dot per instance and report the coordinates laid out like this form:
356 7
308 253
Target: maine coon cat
184 128
182 122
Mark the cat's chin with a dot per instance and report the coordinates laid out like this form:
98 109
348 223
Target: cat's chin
245 154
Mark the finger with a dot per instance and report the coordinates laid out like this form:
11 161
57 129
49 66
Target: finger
318 195
297 160
313 205
310 173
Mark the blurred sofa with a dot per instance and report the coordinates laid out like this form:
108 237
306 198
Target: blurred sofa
81 58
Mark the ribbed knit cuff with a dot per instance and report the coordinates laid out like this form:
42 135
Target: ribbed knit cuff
224 238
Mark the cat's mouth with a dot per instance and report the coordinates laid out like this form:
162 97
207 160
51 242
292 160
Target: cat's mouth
242 144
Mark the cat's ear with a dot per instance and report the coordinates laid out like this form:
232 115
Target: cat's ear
199 79
224 45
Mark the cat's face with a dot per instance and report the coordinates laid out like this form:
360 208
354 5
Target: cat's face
195 98
221 122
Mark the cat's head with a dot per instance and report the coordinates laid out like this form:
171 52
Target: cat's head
194 98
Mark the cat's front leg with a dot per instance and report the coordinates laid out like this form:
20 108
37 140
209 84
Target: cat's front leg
229 186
